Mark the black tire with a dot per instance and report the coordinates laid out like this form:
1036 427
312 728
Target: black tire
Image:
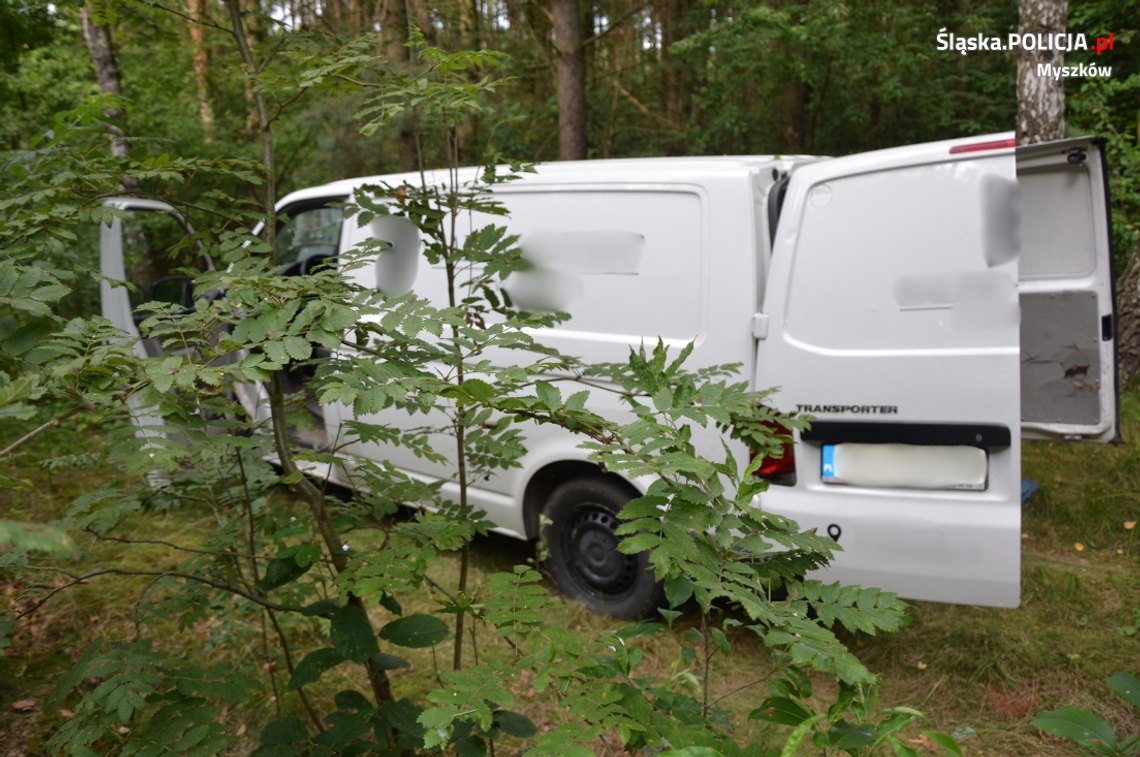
584 561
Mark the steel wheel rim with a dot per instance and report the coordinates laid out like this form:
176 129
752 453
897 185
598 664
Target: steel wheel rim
590 545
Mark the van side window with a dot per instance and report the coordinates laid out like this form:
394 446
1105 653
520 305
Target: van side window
155 245
308 238
626 264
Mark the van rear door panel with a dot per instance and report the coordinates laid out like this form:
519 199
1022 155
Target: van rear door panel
1068 340
892 300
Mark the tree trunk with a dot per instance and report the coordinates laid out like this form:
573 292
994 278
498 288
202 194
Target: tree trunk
423 20
201 61
1128 314
394 35
1040 99
102 50
677 78
330 10
571 64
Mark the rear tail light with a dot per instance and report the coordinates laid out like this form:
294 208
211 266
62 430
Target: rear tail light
997 144
778 470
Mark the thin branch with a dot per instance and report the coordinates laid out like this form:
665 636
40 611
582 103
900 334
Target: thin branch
269 56
708 656
213 553
192 19
281 106
159 574
439 588
641 106
53 423
350 80
269 667
616 25
740 688
289 664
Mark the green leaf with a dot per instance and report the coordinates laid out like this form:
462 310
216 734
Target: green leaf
288 730
352 635
678 589
321 607
35 536
470 746
780 710
383 661
479 390
297 348
389 603
315 663
1126 686
901 749
842 703
281 571
792 745
949 745
1078 725
640 629
692 751
844 735
402 715
415 631
549 394
515 724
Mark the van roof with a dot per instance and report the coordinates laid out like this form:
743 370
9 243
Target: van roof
675 169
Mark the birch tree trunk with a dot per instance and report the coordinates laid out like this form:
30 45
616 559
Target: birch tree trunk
102 51
571 67
1040 99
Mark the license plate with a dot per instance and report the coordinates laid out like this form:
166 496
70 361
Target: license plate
905 466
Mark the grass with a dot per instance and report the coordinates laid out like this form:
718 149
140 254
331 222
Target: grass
966 667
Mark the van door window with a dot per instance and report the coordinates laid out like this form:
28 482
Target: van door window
308 238
155 246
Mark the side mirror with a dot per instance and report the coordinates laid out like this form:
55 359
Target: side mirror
396 266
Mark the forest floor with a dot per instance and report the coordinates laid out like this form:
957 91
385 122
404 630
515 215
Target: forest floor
980 671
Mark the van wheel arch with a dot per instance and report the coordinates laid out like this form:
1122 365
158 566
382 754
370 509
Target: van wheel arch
549 477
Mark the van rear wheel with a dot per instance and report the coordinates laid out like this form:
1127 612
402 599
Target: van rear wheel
584 560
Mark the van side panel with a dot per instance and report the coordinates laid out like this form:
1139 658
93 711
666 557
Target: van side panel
688 241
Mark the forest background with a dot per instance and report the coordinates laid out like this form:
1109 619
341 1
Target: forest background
664 77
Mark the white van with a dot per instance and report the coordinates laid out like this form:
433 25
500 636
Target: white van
929 305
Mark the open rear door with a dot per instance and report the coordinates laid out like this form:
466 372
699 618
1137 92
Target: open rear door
1068 325
892 302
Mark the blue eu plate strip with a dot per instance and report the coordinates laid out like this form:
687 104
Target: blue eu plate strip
827 471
